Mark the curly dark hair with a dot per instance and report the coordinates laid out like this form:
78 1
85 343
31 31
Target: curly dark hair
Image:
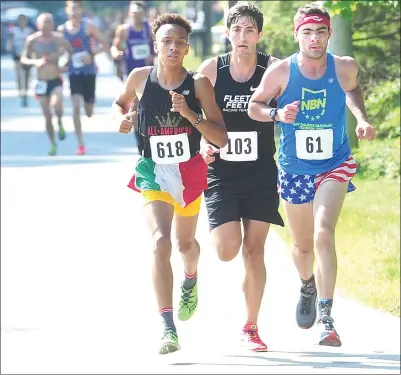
170 19
245 9
311 8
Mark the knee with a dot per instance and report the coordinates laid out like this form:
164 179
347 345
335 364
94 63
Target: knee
185 245
253 252
227 249
302 248
324 240
162 247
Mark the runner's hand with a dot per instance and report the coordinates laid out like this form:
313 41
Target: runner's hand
87 59
117 54
288 113
364 130
207 151
179 104
40 62
127 122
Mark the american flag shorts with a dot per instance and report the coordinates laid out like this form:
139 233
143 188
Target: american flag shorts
298 189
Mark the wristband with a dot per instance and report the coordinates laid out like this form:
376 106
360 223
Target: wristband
198 120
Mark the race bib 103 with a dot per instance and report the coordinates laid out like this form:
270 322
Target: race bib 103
241 146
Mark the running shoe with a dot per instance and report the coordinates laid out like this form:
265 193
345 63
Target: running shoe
53 150
251 340
169 342
306 307
61 132
188 302
81 150
328 335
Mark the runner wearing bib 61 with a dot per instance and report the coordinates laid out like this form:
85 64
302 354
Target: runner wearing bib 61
242 176
171 174
312 88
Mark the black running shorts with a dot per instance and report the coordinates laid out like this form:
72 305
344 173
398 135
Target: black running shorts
224 205
85 85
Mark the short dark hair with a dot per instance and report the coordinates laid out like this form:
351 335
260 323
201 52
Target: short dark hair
311 8
170 19
245 9
139 3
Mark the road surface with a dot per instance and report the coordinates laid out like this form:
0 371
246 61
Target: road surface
76 294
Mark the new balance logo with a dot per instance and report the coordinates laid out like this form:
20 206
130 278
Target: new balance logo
185 92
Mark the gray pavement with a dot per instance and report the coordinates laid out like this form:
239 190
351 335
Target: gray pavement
76 293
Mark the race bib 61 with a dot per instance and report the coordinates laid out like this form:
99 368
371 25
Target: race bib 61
314 144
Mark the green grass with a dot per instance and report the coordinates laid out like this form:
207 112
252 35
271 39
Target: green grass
368 241
191 61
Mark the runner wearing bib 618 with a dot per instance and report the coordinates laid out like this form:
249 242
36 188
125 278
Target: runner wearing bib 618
171 174
312 88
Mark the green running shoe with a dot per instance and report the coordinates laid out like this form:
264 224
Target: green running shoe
53 150
61 133
169 342
188 302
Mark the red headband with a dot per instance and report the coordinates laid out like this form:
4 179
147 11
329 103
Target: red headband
312 18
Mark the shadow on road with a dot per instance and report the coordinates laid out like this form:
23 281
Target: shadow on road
333 360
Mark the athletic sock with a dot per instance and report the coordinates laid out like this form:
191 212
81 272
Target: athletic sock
309 286
190 280
167 318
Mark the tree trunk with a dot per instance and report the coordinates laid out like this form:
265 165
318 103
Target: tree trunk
340 44
207 36
230 4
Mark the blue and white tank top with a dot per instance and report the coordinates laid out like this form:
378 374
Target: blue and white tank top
317 141
81 45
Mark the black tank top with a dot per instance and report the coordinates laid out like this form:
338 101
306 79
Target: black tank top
232 98
155 117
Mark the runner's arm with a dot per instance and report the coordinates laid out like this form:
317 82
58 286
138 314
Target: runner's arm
213 127
354 98
100 38
27 52
118 41
10 44
65 49
269 88
209 69
127 99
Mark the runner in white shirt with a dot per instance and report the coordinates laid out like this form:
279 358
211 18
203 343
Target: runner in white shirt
18 36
